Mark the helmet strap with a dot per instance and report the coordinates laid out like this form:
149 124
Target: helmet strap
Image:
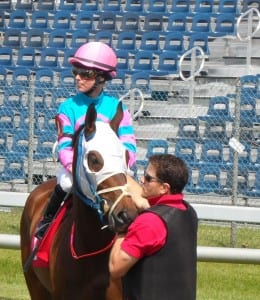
98 81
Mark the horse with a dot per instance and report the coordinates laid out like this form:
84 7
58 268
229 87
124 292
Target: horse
101 207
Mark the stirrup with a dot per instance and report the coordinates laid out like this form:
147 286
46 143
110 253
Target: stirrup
42 227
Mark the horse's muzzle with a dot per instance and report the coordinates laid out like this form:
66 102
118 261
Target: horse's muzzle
120 222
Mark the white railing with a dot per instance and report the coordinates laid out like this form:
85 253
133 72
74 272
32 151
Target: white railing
209 212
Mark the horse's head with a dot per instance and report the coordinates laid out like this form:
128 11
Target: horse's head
100 168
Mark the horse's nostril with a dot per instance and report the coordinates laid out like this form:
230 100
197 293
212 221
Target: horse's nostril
124 217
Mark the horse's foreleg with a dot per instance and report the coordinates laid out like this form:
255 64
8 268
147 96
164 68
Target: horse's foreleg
114 291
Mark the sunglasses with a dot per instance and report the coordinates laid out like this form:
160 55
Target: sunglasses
149 178
85 73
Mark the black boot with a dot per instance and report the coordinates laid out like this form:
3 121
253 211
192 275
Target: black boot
55 201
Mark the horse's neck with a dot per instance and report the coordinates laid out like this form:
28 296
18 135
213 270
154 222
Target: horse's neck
88 226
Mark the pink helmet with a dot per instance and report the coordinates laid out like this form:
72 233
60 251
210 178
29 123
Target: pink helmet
96 55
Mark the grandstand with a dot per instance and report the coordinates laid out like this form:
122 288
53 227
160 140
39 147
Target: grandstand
218 90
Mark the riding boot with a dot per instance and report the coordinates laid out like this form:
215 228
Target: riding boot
55 201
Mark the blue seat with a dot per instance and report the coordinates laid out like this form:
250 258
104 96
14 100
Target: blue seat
174 41
134 6
247 4
199 39
85 21
40 20
254 191
2 20
49 59
249 81
177 22
168 63
6 57
65 5
114 6
6 119
130 22
225 25
20 145
57 39
6 5
35 38
143 61
78 38
208 180
107 21
18 20
180 6
123 64
203 6
117 86
62 20
48 5
3 75
150 41
91 6
212 153
44 146
13 98
201 22
244 159
44 78
21 77
227 6
66 77
247 110
153 22
156 146
126 41
186 150
188 129
157 6
24 5
141 80
13 169
218 111
26 57
105 36
67 54
12 38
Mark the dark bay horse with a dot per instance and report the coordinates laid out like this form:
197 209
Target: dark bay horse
99 193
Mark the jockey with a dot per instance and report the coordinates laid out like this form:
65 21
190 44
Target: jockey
93 64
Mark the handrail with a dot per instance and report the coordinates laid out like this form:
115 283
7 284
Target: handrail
250 13
141 102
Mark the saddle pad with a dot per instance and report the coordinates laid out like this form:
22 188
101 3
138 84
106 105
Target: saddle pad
41 259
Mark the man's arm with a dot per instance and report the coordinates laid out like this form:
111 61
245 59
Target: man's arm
120 262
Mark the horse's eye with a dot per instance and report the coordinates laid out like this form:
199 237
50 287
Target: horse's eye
95 161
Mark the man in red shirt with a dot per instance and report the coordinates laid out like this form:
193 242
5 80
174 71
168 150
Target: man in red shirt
157 256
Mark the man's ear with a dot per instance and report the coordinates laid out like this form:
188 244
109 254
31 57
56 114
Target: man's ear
165 188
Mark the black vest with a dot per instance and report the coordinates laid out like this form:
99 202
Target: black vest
170 273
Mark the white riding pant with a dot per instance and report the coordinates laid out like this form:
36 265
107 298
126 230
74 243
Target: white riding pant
64 179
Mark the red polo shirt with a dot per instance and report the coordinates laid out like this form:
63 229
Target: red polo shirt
147 234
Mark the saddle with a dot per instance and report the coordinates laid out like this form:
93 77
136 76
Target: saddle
41 258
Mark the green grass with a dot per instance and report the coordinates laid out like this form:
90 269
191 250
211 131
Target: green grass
216 281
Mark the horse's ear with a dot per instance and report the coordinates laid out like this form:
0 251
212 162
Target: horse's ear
115 122
90 119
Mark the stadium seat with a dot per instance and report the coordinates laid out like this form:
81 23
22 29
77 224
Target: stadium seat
3 75
62 20
13 98
153 22
90 6
156 146
13 169
6 119
141 80
174 41
35 38
225 25
208 180
26 57
203 6
85 21
247 4
24 5
157 6
48 5
105 37
6 57
44 146
180 6
199 39
40 20
186 150
65 5
212 153
249 81
168 64
6 5
78 38
67 54
66 77
176 22
188 129
12 38
20 145
244 158
18 20
44 78
2 20
107 21
254 191
113 6
201 22
227 6
150 41
143 61
130 22
21 77
117 86
134 6
49 58
123 64
126 41
57 39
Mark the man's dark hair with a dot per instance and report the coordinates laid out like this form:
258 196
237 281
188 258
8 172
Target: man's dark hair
172 170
